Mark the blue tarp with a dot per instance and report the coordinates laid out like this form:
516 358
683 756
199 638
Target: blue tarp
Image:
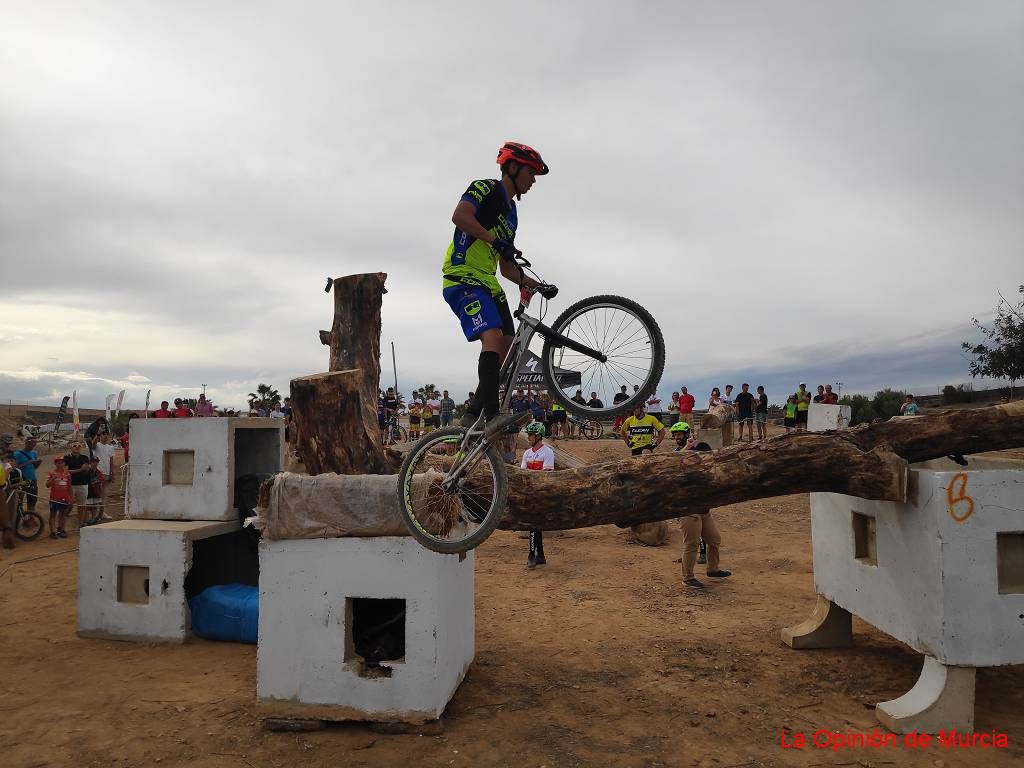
229 612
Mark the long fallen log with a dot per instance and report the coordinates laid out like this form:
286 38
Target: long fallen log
869 461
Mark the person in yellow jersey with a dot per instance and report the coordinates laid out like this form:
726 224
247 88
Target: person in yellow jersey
789 414
803 405
558 420
642 432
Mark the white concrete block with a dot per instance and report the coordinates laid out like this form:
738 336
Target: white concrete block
131 577
821 418
185 469
312 594
941 699
943 572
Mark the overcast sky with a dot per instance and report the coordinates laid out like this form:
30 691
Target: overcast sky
796 190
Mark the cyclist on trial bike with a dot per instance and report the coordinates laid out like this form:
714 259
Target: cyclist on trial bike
485 221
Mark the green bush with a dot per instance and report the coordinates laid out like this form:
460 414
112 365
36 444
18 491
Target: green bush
887 403
862 410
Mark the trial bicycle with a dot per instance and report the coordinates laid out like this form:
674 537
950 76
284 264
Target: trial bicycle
452 485
27 525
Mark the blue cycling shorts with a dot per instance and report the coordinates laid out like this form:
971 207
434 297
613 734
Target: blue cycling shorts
478 311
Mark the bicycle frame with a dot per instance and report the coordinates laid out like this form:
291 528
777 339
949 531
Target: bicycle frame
525 330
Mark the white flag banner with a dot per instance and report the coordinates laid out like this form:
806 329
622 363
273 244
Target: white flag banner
75 421
145 411
117 407
110 399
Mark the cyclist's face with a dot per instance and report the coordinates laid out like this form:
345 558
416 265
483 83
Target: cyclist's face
525 179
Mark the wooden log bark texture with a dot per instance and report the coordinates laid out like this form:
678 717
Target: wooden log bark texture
334 431
335 413
869 461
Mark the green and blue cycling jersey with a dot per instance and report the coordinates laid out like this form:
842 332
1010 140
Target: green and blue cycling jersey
470 261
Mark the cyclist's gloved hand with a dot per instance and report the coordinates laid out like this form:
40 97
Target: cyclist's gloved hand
547 290
504 248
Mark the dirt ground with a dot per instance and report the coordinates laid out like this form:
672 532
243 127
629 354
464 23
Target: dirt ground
600 658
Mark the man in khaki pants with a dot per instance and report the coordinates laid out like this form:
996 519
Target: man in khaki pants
697 525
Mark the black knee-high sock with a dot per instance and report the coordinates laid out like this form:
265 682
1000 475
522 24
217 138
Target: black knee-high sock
486 396
536 542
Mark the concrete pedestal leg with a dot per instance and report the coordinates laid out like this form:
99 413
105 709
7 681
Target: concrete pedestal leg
828 627
942 697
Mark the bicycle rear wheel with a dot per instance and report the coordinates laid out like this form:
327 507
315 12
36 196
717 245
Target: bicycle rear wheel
626 334
451 522
30 525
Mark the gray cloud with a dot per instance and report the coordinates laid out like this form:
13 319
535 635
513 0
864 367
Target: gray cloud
759 176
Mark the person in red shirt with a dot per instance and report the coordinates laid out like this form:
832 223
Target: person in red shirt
181 411
59 484
163 412
830 397
686 403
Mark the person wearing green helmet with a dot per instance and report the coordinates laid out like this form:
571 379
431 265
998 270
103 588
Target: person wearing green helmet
541 458
682 435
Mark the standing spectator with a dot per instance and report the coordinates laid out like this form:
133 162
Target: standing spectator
672 410
27 460
468 401
8 474
78 466
287 407
620 397
745 412
654 407
761 414
162 412
831 398
58 485
182 411
594 401
537 410
789 414
520 402
558 420
700 529
909 408
727 398
715 399
803 404
104 452
820 396
447 409
642 432
433 402
277 412
204 408
414 420
97 490
686 403
538 457
578 399
97 428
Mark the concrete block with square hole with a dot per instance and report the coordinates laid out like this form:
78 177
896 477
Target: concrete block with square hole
132 576
943 572
185 469
362 629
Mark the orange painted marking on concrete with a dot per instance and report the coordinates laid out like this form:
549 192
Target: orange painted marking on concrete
960 497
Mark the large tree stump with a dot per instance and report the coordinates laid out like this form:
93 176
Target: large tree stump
334 432
335 413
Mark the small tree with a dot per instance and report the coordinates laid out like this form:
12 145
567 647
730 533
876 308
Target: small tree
264 398
887 402
1002 356
861 409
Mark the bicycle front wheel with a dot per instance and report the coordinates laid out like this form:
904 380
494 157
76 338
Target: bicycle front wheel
451 521
30 525
626 334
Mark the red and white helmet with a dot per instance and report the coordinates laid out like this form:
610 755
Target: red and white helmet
523 154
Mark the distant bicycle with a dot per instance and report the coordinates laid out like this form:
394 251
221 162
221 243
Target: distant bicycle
589 428
452 485
27 525
394 432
